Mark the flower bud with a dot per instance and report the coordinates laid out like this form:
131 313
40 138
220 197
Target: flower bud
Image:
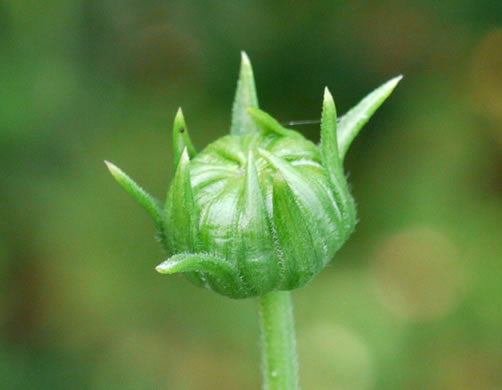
263 208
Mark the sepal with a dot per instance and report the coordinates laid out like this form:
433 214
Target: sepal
181 138
294 237
351 123
225 273
138 193
268 124
254 236
317 205
329 140
333 164
181 209
303 186
245 96
190 262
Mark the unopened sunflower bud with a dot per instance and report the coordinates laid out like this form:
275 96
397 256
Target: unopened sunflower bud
263 208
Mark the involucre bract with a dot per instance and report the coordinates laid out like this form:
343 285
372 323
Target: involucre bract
263 208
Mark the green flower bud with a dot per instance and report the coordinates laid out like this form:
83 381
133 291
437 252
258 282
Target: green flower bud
263 208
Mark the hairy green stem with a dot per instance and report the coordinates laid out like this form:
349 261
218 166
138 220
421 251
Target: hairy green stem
280 363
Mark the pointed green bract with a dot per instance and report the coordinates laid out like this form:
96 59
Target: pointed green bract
287 171
304 187
352 122
321 211
181 209
138 193
188 262
331 161
225 273
254 234
181 138
268 124
245 96
294 236
329 140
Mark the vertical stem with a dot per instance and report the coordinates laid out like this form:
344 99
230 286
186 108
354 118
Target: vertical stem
280 364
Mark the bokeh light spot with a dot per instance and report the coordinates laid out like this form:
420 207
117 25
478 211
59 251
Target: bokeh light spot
335 358
487 74
417 275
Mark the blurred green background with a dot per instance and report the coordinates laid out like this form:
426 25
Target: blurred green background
413 301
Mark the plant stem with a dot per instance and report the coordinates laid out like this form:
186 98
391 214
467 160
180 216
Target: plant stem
280 363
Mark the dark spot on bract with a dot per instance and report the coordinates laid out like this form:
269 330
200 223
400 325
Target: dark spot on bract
182 130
